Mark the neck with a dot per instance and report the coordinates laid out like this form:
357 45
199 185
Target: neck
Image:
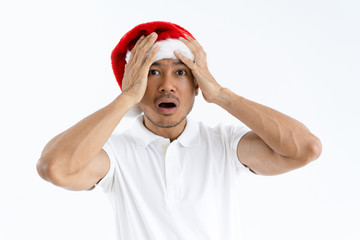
170 132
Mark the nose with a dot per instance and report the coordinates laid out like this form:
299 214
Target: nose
167 84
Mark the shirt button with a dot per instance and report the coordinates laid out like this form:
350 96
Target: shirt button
164 146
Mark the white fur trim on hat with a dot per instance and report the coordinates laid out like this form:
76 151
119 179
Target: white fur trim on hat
166 50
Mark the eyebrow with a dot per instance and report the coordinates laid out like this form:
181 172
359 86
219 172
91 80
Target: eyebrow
176 63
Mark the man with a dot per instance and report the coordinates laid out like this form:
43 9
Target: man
169 177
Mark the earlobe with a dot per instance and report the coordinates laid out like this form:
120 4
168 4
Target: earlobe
196 89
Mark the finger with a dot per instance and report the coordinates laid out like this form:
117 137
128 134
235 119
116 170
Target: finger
193 41
192 44
185 60
195 48
191 47
135 47
149 38
188 37
144 47
187 43
151 56
139 41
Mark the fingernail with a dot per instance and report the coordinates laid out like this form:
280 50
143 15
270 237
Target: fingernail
142 37
153 34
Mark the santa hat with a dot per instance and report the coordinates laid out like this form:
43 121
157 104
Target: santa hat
168 34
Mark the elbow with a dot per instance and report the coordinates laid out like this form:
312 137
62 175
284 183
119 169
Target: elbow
43 169
48 170
312 151
315 149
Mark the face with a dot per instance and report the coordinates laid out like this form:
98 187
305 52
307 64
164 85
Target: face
170 93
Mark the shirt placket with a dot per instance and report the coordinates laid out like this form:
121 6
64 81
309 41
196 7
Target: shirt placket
172 171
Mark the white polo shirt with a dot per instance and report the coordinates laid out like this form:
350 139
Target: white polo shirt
184 190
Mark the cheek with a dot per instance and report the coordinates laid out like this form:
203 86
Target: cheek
146 100
188 83
189 88
152 86
149 92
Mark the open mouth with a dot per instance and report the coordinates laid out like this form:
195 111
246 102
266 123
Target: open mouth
167 105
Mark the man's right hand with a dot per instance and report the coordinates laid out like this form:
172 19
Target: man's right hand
137 69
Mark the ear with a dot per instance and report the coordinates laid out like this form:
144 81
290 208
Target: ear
196 88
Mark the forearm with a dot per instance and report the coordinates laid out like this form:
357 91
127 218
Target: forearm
283 134
73 149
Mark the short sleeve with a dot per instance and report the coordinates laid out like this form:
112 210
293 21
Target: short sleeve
235 135
106 182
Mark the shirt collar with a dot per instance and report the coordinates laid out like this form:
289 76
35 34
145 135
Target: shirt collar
189 137
143 135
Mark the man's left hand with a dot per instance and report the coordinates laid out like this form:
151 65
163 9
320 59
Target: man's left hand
210 89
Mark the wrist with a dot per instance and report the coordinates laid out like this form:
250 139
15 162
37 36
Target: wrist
126 100
223 97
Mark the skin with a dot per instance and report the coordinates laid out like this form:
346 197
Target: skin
168 79
277 143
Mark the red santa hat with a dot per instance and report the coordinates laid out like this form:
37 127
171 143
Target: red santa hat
168 34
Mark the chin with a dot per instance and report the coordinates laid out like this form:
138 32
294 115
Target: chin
165 121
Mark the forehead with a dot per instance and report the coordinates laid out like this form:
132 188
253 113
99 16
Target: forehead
168 63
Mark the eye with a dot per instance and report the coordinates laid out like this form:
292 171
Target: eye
154 72
181 72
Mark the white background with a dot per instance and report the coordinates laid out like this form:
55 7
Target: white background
299 57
